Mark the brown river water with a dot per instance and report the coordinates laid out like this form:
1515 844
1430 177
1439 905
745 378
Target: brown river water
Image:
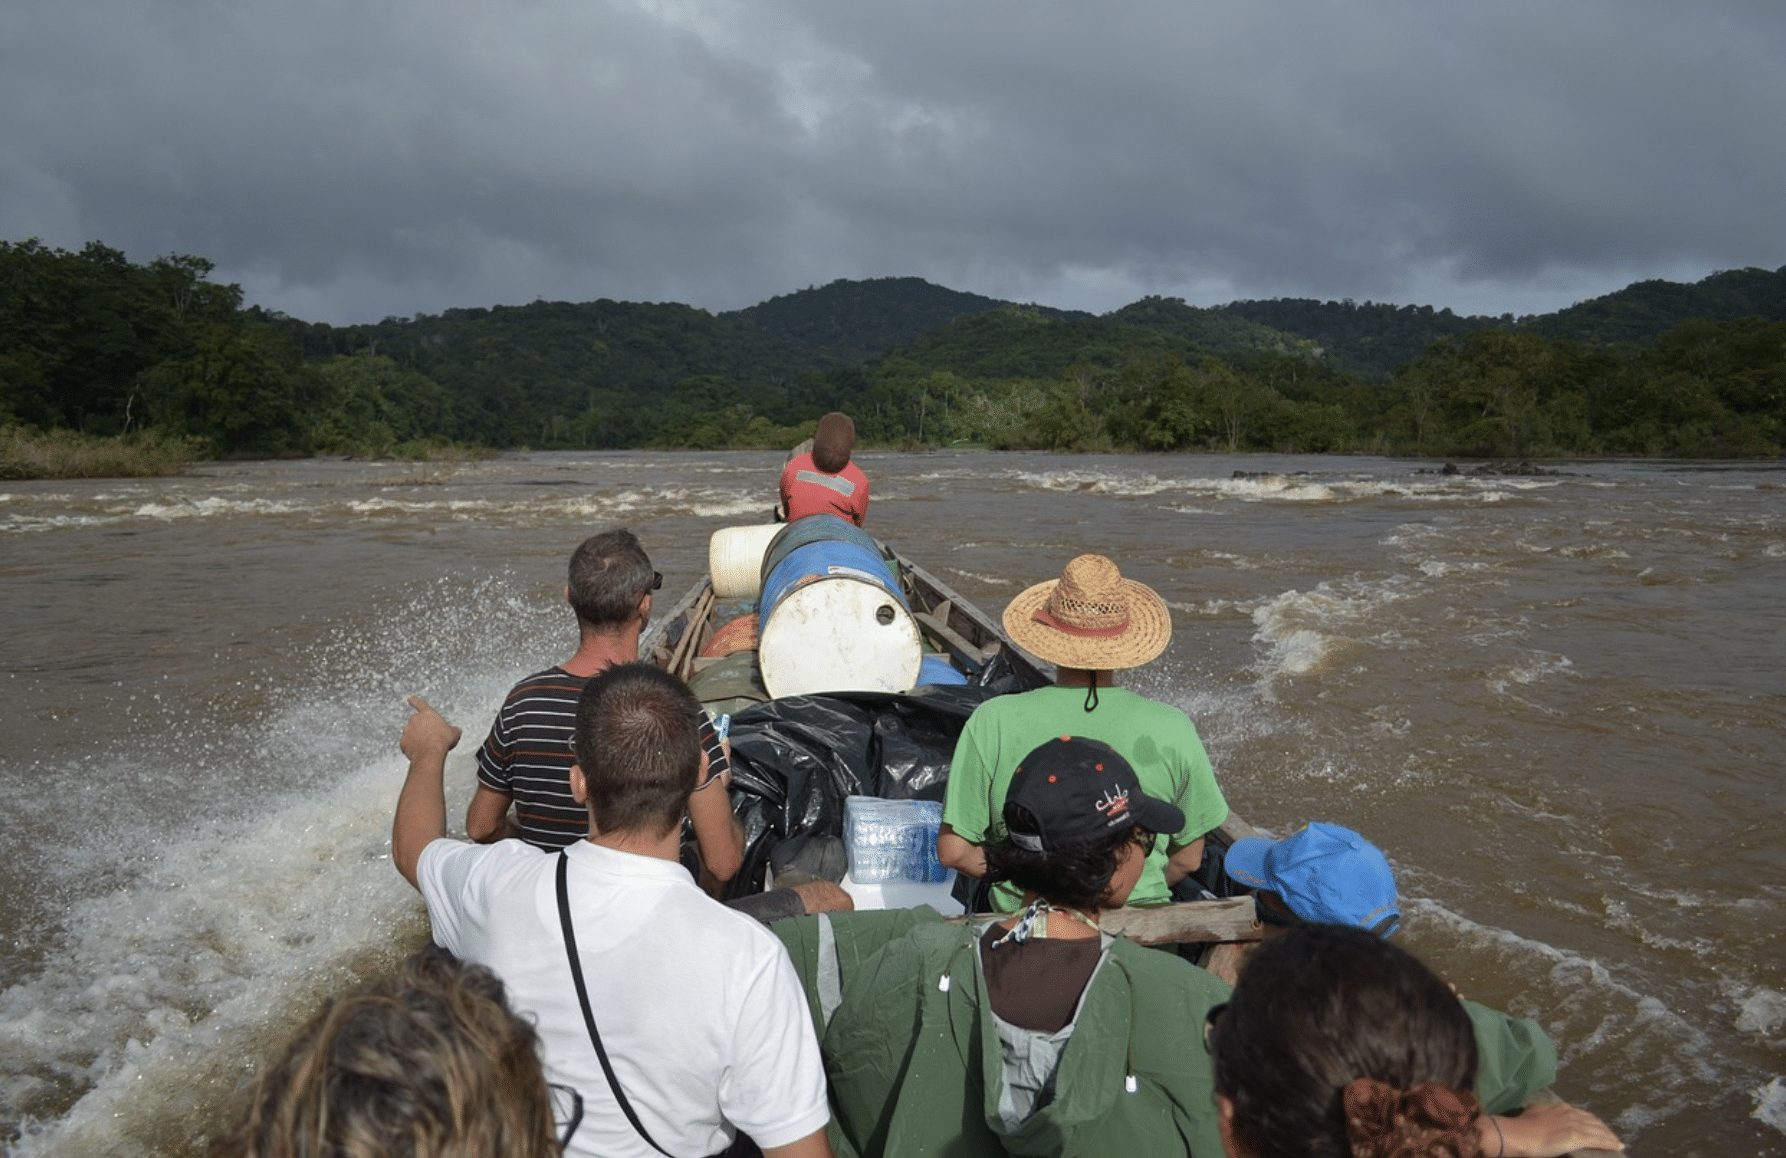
1558 703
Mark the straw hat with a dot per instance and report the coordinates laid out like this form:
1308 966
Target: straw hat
1091 618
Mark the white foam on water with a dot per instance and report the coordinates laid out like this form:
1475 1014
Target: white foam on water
1410 536
689 501
1763 1013
415 506
212 506
697 502
1287 490
158 994
1305 629
988 580
1537 666
1770 1104
1594 551
1094 482
1298 652
1443 569
26 524
1774 551
1215 606
1293 488
1674 1044
1618 915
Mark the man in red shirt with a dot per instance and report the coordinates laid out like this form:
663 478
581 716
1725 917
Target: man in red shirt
825 481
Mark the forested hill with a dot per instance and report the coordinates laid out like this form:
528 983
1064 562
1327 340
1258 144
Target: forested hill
93 343
1023 342
1375 339
1372 339
847 323
1642 312
1216 330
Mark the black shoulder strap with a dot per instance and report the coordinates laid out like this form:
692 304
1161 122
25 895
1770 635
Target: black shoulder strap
595 1038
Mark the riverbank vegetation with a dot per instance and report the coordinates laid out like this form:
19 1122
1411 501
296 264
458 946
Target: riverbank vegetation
66 454
96 346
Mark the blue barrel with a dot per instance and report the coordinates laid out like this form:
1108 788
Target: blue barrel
834 620
825 559
813 529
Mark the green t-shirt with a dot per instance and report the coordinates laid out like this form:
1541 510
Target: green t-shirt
1158 740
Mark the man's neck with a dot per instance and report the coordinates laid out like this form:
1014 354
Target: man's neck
1078 677
599 651
666 847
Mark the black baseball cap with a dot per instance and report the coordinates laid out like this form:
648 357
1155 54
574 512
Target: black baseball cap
1080 791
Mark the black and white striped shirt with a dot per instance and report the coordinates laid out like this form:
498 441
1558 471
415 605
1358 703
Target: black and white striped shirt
527 756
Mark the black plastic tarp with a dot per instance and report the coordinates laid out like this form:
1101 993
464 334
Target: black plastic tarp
794 760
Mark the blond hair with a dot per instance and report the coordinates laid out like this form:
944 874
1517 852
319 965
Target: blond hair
429 1064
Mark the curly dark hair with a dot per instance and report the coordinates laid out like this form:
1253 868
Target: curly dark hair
1077 876
1327 1013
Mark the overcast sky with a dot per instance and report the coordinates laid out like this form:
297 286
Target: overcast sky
350 159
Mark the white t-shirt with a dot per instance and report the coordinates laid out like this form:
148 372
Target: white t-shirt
699 1008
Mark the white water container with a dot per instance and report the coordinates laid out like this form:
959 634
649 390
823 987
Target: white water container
735 559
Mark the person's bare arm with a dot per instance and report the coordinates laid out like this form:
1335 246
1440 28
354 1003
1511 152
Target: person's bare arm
1545 1132
814 1145
421 806
718 834
823 897
1182 860
487 819
960 853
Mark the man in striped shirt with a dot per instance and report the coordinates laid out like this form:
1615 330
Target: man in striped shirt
525 761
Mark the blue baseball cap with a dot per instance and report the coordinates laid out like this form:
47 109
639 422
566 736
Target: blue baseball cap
1325 873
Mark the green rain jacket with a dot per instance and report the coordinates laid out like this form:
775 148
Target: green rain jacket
1514 1058
918 1064
917 1068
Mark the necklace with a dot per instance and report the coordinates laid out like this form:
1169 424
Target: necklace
1034 922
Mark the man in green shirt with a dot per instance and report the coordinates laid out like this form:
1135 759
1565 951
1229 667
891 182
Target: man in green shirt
1089 623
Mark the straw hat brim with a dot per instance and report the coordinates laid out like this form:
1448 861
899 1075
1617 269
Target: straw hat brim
1148 632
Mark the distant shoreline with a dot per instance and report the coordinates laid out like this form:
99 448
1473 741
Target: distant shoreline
27 456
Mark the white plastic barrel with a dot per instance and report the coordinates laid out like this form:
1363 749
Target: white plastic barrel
735 559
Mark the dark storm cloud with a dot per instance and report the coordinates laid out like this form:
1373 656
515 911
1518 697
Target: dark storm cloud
347 160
